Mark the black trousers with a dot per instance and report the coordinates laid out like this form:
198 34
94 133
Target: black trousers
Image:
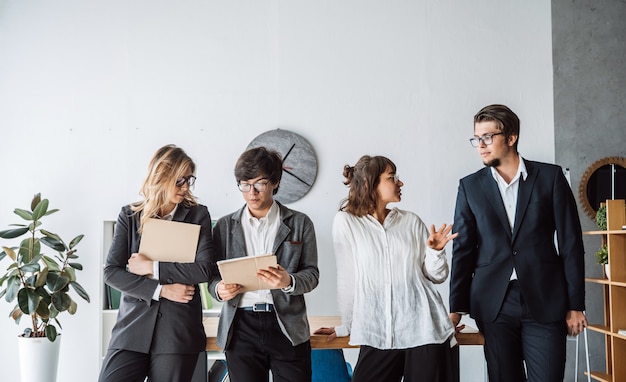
516 337
128 366
257 345
428 363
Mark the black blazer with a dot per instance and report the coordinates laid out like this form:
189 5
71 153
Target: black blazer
148 326
484 253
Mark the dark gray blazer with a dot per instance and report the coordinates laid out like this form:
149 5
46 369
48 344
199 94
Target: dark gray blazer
484 253
147 326
295 248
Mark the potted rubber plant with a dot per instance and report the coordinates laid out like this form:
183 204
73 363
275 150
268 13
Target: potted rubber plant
40 284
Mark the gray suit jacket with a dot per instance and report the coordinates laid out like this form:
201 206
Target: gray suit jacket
295 248
147 326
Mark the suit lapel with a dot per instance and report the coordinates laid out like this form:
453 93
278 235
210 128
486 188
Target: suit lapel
494 199
236 232
523 196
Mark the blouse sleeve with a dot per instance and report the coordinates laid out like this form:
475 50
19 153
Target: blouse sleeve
344 257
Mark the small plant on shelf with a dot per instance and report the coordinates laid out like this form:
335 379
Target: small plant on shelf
40 283
601 217
602 256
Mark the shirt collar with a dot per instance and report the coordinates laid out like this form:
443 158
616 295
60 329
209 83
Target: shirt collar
272 214
170 216
521 170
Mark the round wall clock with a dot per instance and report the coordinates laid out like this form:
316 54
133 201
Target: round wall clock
299 162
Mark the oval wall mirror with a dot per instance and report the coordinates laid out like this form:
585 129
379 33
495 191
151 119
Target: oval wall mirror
604 179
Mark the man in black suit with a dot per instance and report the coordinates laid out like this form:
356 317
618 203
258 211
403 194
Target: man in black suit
524 288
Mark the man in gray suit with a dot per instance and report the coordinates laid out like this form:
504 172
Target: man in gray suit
266 329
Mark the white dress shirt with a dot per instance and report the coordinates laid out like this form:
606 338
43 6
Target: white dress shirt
155 264
385 282
509 192
260 235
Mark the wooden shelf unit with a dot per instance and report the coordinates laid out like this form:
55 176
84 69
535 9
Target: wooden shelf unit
614 288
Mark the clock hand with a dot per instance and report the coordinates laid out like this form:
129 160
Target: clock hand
295 176
288 152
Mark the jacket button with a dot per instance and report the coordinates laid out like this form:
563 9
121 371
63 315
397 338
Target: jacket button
159 315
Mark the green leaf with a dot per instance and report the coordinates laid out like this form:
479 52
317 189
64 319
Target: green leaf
51 212
61 301
35 201
56 282
76 266
42 277
43 310
73 307
13 286
76 240
50 263
53 243
28 300
70 273
51 332
80 290
13 233
26 215
29 268
29 248
40 210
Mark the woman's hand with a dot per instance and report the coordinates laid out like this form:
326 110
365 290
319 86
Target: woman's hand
227 291
140 264
438 239
276 277
328 331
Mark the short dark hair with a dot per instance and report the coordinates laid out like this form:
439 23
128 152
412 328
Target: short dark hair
259 161
506 120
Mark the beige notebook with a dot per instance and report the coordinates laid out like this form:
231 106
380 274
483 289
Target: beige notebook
169 241
242 271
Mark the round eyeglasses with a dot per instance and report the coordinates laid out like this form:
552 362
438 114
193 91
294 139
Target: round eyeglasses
486 139
190 180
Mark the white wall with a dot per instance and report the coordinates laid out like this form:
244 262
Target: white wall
89 90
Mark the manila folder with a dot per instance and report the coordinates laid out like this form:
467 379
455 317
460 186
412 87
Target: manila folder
242 271
169 241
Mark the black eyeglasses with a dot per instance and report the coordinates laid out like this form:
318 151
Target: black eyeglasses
487 139
258 186
190 180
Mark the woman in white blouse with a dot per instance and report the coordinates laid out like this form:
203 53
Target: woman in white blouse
387 264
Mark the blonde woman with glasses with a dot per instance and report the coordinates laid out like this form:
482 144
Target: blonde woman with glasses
159 332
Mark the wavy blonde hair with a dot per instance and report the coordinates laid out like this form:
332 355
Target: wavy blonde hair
168 164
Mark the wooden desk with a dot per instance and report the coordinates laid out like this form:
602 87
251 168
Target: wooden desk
468 337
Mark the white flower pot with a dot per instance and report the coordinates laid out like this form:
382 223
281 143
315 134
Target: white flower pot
606 271
39 358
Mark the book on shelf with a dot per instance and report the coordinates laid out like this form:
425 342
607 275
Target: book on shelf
112 297
207 300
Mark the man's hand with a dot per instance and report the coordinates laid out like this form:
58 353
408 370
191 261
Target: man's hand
228 291
276 277
576 322
178 292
